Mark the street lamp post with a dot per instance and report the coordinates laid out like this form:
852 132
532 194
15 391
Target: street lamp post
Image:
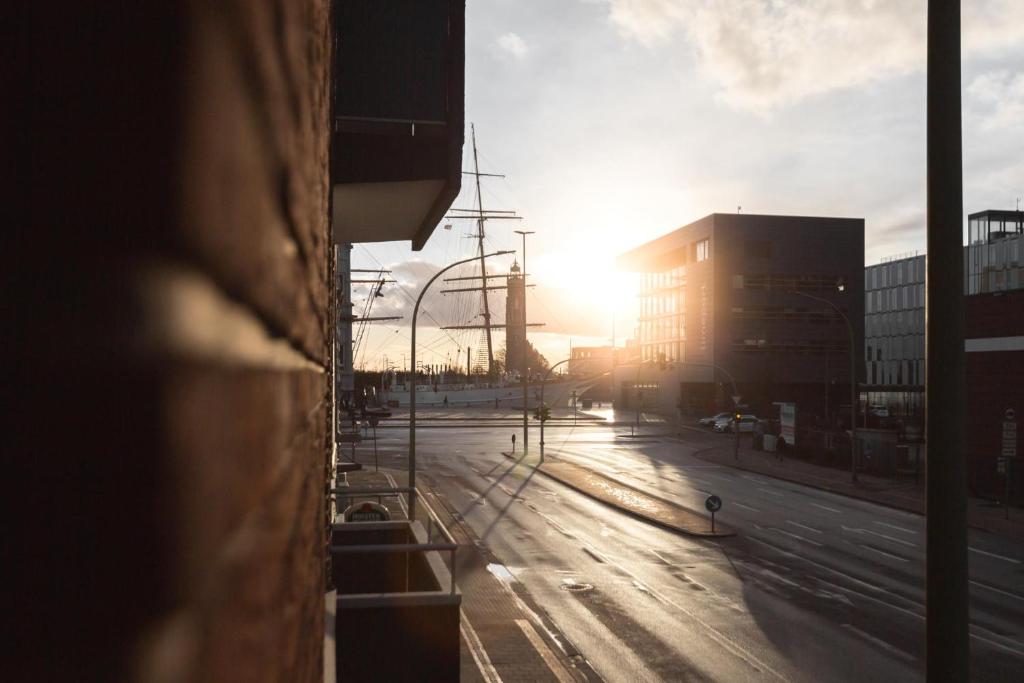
542 381
853 379
412 381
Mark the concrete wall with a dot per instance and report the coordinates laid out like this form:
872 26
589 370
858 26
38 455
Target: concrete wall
170 357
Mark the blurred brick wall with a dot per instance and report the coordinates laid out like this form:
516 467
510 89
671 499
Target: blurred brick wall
170 353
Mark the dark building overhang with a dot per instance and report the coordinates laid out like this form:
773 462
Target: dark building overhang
398 122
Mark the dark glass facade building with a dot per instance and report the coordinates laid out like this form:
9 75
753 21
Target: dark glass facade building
748 296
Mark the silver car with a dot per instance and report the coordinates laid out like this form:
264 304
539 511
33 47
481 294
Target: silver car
710 421
725 424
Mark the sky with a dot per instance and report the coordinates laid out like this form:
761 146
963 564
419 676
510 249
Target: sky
616 121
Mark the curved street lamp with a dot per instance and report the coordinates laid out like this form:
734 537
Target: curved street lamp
853 377
412 385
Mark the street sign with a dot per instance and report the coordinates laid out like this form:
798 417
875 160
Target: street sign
1009 439
736 398
367 511
713 503
1010 414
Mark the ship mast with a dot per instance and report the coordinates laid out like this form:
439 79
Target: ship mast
483 259
480 216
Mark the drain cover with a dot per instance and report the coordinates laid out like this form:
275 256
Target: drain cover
574 587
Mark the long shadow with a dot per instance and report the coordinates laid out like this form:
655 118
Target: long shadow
497 481
512 499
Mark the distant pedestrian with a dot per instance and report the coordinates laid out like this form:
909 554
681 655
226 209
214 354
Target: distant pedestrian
513 442
446 400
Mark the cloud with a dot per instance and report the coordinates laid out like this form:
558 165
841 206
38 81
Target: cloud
765 54
995 100
513 45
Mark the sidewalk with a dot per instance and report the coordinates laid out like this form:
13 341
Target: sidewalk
626 498
501 639
900 494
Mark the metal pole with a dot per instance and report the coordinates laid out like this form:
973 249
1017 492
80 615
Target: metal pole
412 381
853 378
947 641
525 361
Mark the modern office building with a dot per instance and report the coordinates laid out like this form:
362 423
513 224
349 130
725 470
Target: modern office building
894 337
994 251
894 309
750 298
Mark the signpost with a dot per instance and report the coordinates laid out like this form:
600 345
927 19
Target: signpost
1009 450
713 503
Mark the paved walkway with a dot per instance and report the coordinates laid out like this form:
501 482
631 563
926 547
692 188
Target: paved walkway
628 499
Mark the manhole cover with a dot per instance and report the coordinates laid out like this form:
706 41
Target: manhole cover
574 587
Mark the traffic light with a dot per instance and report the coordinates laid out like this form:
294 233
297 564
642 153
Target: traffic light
737 416
542 413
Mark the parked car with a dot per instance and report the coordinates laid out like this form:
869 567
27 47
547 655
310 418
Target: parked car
725 424
710 421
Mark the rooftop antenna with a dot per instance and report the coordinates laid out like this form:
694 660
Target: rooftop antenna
738 209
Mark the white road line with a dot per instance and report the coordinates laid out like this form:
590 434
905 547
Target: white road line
803 526
799 537
890 538
768 491
544 651
746 507
998 557
476 648
880 643
826 507
997 590
659 556
897 528
711 631
882 552
1019 653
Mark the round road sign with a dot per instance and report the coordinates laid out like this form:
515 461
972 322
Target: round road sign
1010 414
713 503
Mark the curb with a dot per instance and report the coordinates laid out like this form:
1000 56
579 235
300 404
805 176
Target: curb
724 531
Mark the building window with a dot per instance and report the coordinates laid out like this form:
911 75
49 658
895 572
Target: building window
703 249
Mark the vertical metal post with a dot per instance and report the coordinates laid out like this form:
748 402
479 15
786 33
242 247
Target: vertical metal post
525 360
853 398
946 496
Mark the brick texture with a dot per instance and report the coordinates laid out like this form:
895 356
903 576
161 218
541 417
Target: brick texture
170 364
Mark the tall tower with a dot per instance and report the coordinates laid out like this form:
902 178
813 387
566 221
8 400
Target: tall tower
515 320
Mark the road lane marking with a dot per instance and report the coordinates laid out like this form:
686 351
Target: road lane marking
798 536
660 556
746 507
713 633
826 507
880 643
997 590
803 526
768 491
897 528
1019 653
998 557
882 552
476 648
889 538
544 651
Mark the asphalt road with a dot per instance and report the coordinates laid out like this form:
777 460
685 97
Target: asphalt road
815 586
